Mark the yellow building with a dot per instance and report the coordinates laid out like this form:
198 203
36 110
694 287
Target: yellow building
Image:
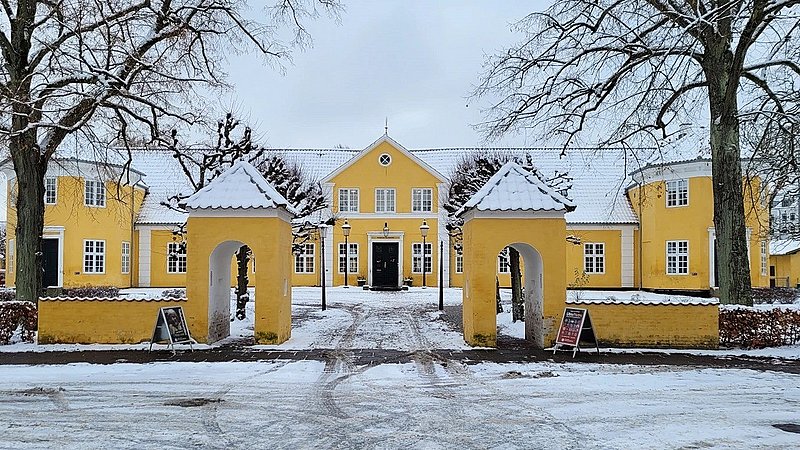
784 263
649 229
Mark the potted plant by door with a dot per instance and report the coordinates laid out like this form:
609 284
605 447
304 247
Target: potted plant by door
361 280
408 281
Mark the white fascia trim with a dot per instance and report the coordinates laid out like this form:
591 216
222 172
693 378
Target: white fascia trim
387 216
242 212
166 227
601 226
479 214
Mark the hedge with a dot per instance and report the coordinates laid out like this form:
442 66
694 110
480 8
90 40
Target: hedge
14 314
772 295
758 328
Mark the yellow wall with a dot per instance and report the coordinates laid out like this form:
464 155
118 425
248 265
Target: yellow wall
270 239
112 223
675 326
659 224
612 276
159 277
786 267
403 174
485 238
99 321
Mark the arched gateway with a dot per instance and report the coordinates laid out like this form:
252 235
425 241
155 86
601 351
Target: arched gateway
515 209
237 208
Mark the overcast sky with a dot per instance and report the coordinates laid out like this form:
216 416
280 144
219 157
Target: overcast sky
414 62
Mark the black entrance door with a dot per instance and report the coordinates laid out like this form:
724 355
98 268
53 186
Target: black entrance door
50 262
384 265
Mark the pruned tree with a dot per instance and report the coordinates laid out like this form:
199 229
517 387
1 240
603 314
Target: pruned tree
468 176
633 70
102 67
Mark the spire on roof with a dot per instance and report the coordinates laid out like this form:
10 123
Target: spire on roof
386 126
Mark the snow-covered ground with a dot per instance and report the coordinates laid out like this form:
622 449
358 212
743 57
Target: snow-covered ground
432 405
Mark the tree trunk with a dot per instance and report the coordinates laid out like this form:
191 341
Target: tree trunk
242 297
497 295
729 218
517 302
30 171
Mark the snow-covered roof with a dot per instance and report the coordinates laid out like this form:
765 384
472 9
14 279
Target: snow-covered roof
780 247
599 176
635 298
513 188
239 187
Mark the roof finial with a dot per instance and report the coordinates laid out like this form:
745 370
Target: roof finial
386 126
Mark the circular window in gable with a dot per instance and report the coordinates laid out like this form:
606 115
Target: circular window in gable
385 159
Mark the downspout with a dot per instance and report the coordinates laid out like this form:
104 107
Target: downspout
641 236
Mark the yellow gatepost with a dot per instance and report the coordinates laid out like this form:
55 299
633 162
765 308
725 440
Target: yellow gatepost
238 208
516 209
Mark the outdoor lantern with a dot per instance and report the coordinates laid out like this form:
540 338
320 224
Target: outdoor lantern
346 232
385 229
424 228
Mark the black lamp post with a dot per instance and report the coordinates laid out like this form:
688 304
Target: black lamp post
441 276
423 230
346 231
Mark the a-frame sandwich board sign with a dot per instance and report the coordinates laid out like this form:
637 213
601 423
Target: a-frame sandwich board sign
576 327
171 328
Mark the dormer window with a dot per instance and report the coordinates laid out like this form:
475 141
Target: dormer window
677 193
94 193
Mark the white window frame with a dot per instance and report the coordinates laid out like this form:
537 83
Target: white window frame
594 256
348 192
677 193
384 203
125 265
417 259
676 254
92 257
422 204
459 263
503 262
97 199
54 190
308 256
353 258
174 267
764 258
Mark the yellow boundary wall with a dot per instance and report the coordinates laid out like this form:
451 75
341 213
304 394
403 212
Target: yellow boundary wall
654 325
99 320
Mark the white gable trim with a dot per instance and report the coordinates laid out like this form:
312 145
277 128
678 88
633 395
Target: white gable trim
395 144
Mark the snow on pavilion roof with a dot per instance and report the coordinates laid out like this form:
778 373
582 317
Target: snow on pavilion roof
780 247
239 187
599 176
513 188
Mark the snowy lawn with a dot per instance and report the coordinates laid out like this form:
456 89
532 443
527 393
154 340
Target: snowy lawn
309 404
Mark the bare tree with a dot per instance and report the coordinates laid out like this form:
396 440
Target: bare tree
638 68
119 65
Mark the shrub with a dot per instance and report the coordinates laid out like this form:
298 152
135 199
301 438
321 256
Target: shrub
7 295
782 295
14 315
174 293
91 291
757 328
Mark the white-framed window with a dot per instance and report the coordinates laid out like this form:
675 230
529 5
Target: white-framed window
304 262
176 257
594 257
764 258
421 199
353 257
126 257
94 193
677 257
503 263
677 193
348 200
94 256
459 263
384 200
50 190
11 250
417 259
385 159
